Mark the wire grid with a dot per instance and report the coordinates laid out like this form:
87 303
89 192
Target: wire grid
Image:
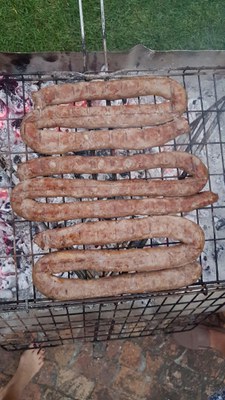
208 119
106 321
53 323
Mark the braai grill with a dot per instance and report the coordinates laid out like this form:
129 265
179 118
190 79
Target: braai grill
25 315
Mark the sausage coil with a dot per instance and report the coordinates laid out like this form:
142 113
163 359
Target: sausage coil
191 164
104 232
113 89
73 289
55 141
32 210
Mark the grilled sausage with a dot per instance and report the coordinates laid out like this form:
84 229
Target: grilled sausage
118 164
130 116
103 232
113 89
60 114
59 142
142 282
46 212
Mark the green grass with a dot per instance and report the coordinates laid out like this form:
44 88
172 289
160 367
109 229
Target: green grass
49 25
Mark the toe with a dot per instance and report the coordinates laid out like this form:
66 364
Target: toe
41 354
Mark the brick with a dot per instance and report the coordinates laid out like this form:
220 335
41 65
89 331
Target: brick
131 355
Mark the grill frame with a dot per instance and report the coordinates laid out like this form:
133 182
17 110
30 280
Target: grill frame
19 319
51 323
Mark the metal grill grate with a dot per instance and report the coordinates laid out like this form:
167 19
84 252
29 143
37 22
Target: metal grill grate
27 313
17 254
98 321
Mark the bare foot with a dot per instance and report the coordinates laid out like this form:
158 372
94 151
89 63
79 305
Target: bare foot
30 363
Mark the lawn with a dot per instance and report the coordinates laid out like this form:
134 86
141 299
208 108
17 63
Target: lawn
49 25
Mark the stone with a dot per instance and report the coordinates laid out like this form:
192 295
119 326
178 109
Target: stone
47 374
153 363
80 388
101 369
99 349
32 392
4 379
172 349
132 383
49 394
113 349
9 361
52 394
65 376
130 355
103 394
66 355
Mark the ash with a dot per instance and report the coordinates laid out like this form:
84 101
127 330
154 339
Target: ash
18 252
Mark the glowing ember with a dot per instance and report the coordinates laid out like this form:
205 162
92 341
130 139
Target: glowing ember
81 103
4 194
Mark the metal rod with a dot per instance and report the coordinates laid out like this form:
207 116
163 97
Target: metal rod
104 34
82 34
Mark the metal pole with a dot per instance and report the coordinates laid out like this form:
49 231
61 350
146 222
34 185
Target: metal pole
82 34
104 33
